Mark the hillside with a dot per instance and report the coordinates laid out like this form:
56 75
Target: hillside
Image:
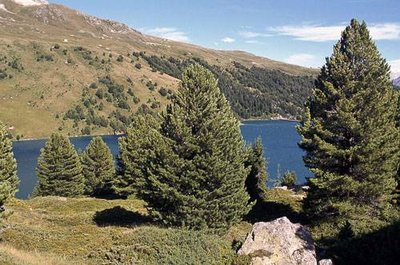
59 230
396 82
56 230
61 70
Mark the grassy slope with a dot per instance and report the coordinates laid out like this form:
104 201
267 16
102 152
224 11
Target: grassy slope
96 231
54 227
32 98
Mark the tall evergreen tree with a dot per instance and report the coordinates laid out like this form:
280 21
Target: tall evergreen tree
349 134
136 150
256 182
59 169
98 168
192 172
8 168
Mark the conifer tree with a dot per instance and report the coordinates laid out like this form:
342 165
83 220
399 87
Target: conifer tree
350 136
98 168
8 168
136 150
256 182
59 169
192 173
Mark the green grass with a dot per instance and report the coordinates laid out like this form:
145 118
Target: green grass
97 231
34 95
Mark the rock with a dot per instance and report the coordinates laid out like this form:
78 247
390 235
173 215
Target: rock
325 262
279 242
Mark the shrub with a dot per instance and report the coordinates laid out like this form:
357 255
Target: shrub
163 92
120 58
59 169
289 179
98 167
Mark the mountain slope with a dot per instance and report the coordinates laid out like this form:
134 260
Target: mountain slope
64 70
396 81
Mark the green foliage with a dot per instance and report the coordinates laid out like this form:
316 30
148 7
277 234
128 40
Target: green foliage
289 179
151 86
350 137
380 247
272 91
346 232
135 149
120 58
163 92
85 53
96 231
256 181
171 246
278 93
190 167
45 58
98 168
93 85
59 169
86 130
8 169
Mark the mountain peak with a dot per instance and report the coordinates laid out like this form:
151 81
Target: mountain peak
31 2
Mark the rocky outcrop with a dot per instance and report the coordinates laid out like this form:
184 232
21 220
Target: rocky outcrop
325 262
279 242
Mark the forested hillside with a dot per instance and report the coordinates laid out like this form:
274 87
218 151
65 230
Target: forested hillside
61 70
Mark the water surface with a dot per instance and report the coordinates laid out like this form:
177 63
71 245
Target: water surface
279 138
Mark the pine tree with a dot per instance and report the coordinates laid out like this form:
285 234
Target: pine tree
349 135
192 172
136 150
59 169
257 179
98 168
8 169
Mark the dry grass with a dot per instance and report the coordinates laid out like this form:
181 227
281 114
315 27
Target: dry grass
95 231
44 89
12 256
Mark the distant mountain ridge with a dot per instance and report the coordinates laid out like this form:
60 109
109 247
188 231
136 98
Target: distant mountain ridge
396 81
62 70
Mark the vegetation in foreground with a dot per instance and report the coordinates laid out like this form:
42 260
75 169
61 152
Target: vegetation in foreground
97 231
182 162
8 169
351 140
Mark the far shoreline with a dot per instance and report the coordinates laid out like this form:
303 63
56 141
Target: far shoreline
242 121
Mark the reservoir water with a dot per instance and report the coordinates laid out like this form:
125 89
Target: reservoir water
279 138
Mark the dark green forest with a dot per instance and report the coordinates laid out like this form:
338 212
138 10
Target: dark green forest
252 92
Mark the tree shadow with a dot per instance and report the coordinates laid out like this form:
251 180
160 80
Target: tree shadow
380 247
265 211
119 216
305 235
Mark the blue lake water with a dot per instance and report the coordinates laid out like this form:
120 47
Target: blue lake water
279 138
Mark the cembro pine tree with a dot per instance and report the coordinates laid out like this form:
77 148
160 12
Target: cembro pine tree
350 136
256 181
189 167
59 169
8 169
98 168
137 149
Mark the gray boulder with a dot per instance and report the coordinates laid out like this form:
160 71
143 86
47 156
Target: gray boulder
325 262
279 242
